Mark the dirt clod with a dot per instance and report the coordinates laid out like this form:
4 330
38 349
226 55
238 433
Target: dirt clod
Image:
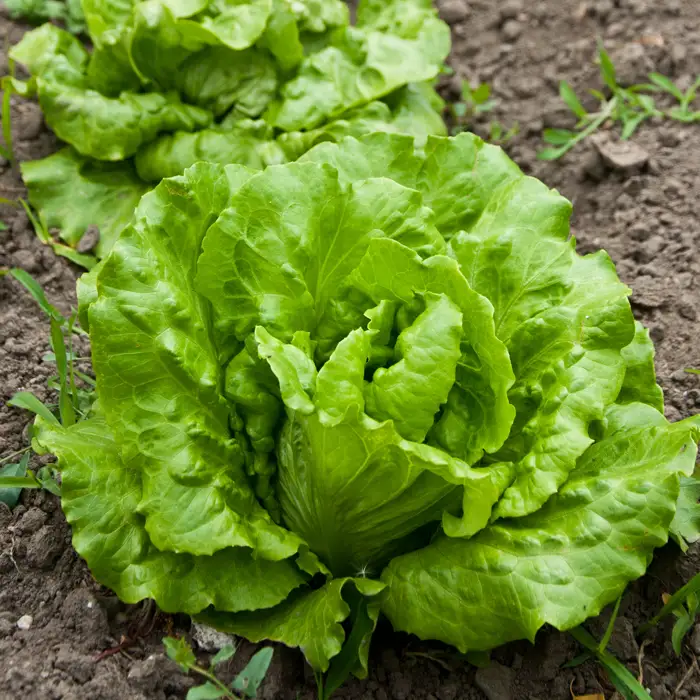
625 157
495 681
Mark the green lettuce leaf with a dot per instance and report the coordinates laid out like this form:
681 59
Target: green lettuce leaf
253 142
53 54
247 142
100 497
37 11
169 417
640 376
311 620
477 415
110 191
558 566
314 261
95 125
409 19
358 67
685 527
219 79
106 15
417 110
113 128
237 24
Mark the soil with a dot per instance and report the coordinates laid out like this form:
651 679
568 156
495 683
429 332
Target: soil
646 218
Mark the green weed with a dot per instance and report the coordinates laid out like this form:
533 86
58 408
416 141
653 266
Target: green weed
684 606
627 106
246 683
42 233
74 399
625 683
473 103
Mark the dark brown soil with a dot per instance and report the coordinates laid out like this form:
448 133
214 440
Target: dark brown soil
649 221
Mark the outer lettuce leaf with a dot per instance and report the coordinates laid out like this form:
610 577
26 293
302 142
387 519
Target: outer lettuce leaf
565 319
110 193
568 371
113 129
159 379
95 125
311 620
38 11
640 376
237 24
248 142
417 110
410 19
52 53
685 528
106 15
560 565
101 496
253 143
219 79
359 67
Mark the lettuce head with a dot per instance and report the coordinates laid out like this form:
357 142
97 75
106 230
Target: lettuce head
377 380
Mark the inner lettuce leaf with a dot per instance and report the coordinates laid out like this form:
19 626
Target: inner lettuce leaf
381 378
248 82
110 193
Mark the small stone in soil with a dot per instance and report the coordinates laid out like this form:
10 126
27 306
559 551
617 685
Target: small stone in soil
454 11
25 622
625 157
511 30
89 239
210 639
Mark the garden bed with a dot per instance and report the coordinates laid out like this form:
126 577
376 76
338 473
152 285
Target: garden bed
646 217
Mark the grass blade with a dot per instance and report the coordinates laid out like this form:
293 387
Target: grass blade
566 92
7 120
558 137
666 84
9 495
676 600
41 233
27 400
611 626
607 69
680 629
71 360
619 674
37 293
65 403
84 261
18 482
